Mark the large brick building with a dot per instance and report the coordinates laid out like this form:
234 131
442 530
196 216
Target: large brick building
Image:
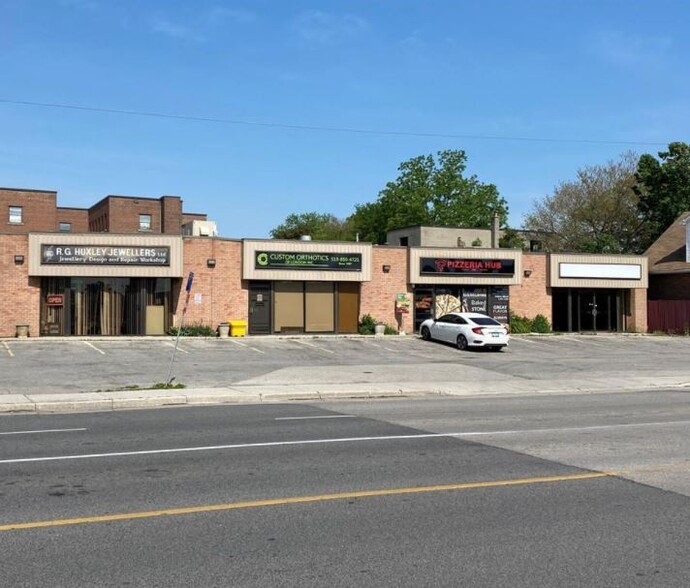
120 268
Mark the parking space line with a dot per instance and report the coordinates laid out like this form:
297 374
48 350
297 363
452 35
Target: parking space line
41 431
169 344
322 416
7 348
247 346
314 346
94 347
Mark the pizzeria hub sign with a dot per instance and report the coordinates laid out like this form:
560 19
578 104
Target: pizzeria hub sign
446 265
104 255
348 262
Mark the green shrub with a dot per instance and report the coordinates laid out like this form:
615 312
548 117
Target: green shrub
390 330
366 325
519 324
194 330
540 324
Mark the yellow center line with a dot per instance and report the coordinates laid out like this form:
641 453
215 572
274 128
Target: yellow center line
301 500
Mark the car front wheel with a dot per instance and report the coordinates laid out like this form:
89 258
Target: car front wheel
462 342
426 334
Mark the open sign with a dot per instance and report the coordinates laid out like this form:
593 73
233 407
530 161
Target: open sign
55 300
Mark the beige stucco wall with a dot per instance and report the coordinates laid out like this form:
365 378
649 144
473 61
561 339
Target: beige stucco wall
601 261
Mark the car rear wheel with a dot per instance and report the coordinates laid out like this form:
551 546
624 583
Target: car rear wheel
462 342
426 334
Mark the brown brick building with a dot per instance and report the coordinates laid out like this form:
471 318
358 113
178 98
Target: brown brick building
120 268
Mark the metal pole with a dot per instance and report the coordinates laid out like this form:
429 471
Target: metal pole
190 279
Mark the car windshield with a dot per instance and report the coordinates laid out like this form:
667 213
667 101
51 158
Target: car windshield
481 320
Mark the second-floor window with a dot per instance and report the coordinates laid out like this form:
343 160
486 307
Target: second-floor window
16 215
65 227
144 222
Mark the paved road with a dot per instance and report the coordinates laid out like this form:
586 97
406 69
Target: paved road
531 363
509 499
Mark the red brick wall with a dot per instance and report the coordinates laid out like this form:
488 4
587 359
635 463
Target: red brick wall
189 217
38 211
378 296
224 296
124 214
171 215
79 217
20 295
669 287
532 297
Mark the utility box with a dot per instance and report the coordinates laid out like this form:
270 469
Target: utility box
238 328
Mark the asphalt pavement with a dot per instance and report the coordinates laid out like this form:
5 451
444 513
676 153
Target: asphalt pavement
67 374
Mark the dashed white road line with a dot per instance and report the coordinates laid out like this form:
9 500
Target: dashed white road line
41 431
94 347
458 435
314 346
7 348
323 416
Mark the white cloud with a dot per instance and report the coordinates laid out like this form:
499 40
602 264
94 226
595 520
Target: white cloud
174 30
317 26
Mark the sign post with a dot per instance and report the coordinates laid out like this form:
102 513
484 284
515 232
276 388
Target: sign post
188 289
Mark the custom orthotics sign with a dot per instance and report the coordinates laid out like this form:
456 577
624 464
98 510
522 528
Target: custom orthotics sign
446 265
104 255
347 262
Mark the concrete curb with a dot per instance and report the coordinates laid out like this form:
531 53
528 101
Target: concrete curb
248 394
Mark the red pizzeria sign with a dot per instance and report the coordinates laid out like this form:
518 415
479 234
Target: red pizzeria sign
55 300
444 265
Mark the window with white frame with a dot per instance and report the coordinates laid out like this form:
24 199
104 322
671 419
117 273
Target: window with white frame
16 215
144 222
65 227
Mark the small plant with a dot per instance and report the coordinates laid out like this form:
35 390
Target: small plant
477 242
519 324
194 330
540 324
366 325
167 386
390 330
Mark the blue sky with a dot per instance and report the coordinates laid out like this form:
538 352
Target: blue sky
589 79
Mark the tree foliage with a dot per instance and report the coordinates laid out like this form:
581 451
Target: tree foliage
430 192
663 187
595 213
320 227
511 239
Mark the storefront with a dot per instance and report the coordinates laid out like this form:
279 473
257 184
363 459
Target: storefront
304 287
594 293
451 280
105 284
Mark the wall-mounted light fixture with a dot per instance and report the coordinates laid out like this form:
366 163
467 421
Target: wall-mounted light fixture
19 259
210 262
386 268
527 273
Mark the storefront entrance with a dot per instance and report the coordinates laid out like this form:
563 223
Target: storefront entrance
439 300
105 306
303 307
578 309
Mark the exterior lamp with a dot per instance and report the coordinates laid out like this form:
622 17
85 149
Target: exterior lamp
19 259
210 262
527 273
386 269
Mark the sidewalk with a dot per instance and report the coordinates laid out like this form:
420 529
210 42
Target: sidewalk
257 394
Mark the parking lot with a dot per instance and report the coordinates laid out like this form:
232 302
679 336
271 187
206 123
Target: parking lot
74 365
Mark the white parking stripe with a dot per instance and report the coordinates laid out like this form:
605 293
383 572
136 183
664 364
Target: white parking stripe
314 346
94 347
173 345
41 431
247 346
7 348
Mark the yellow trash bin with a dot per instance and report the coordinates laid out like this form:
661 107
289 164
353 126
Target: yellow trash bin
238 328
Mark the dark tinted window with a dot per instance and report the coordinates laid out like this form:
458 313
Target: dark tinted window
480 320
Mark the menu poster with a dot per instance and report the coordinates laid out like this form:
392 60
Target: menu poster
499 304
474 300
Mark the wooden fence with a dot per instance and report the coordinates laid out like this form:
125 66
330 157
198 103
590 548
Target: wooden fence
668 316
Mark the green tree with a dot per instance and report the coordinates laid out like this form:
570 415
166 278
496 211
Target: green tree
320 227
663 187
430 192
595 213
511 239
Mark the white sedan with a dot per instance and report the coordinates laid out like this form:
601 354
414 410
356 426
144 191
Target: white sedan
466 329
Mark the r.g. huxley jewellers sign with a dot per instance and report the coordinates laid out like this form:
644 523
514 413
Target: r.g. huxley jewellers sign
104 255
